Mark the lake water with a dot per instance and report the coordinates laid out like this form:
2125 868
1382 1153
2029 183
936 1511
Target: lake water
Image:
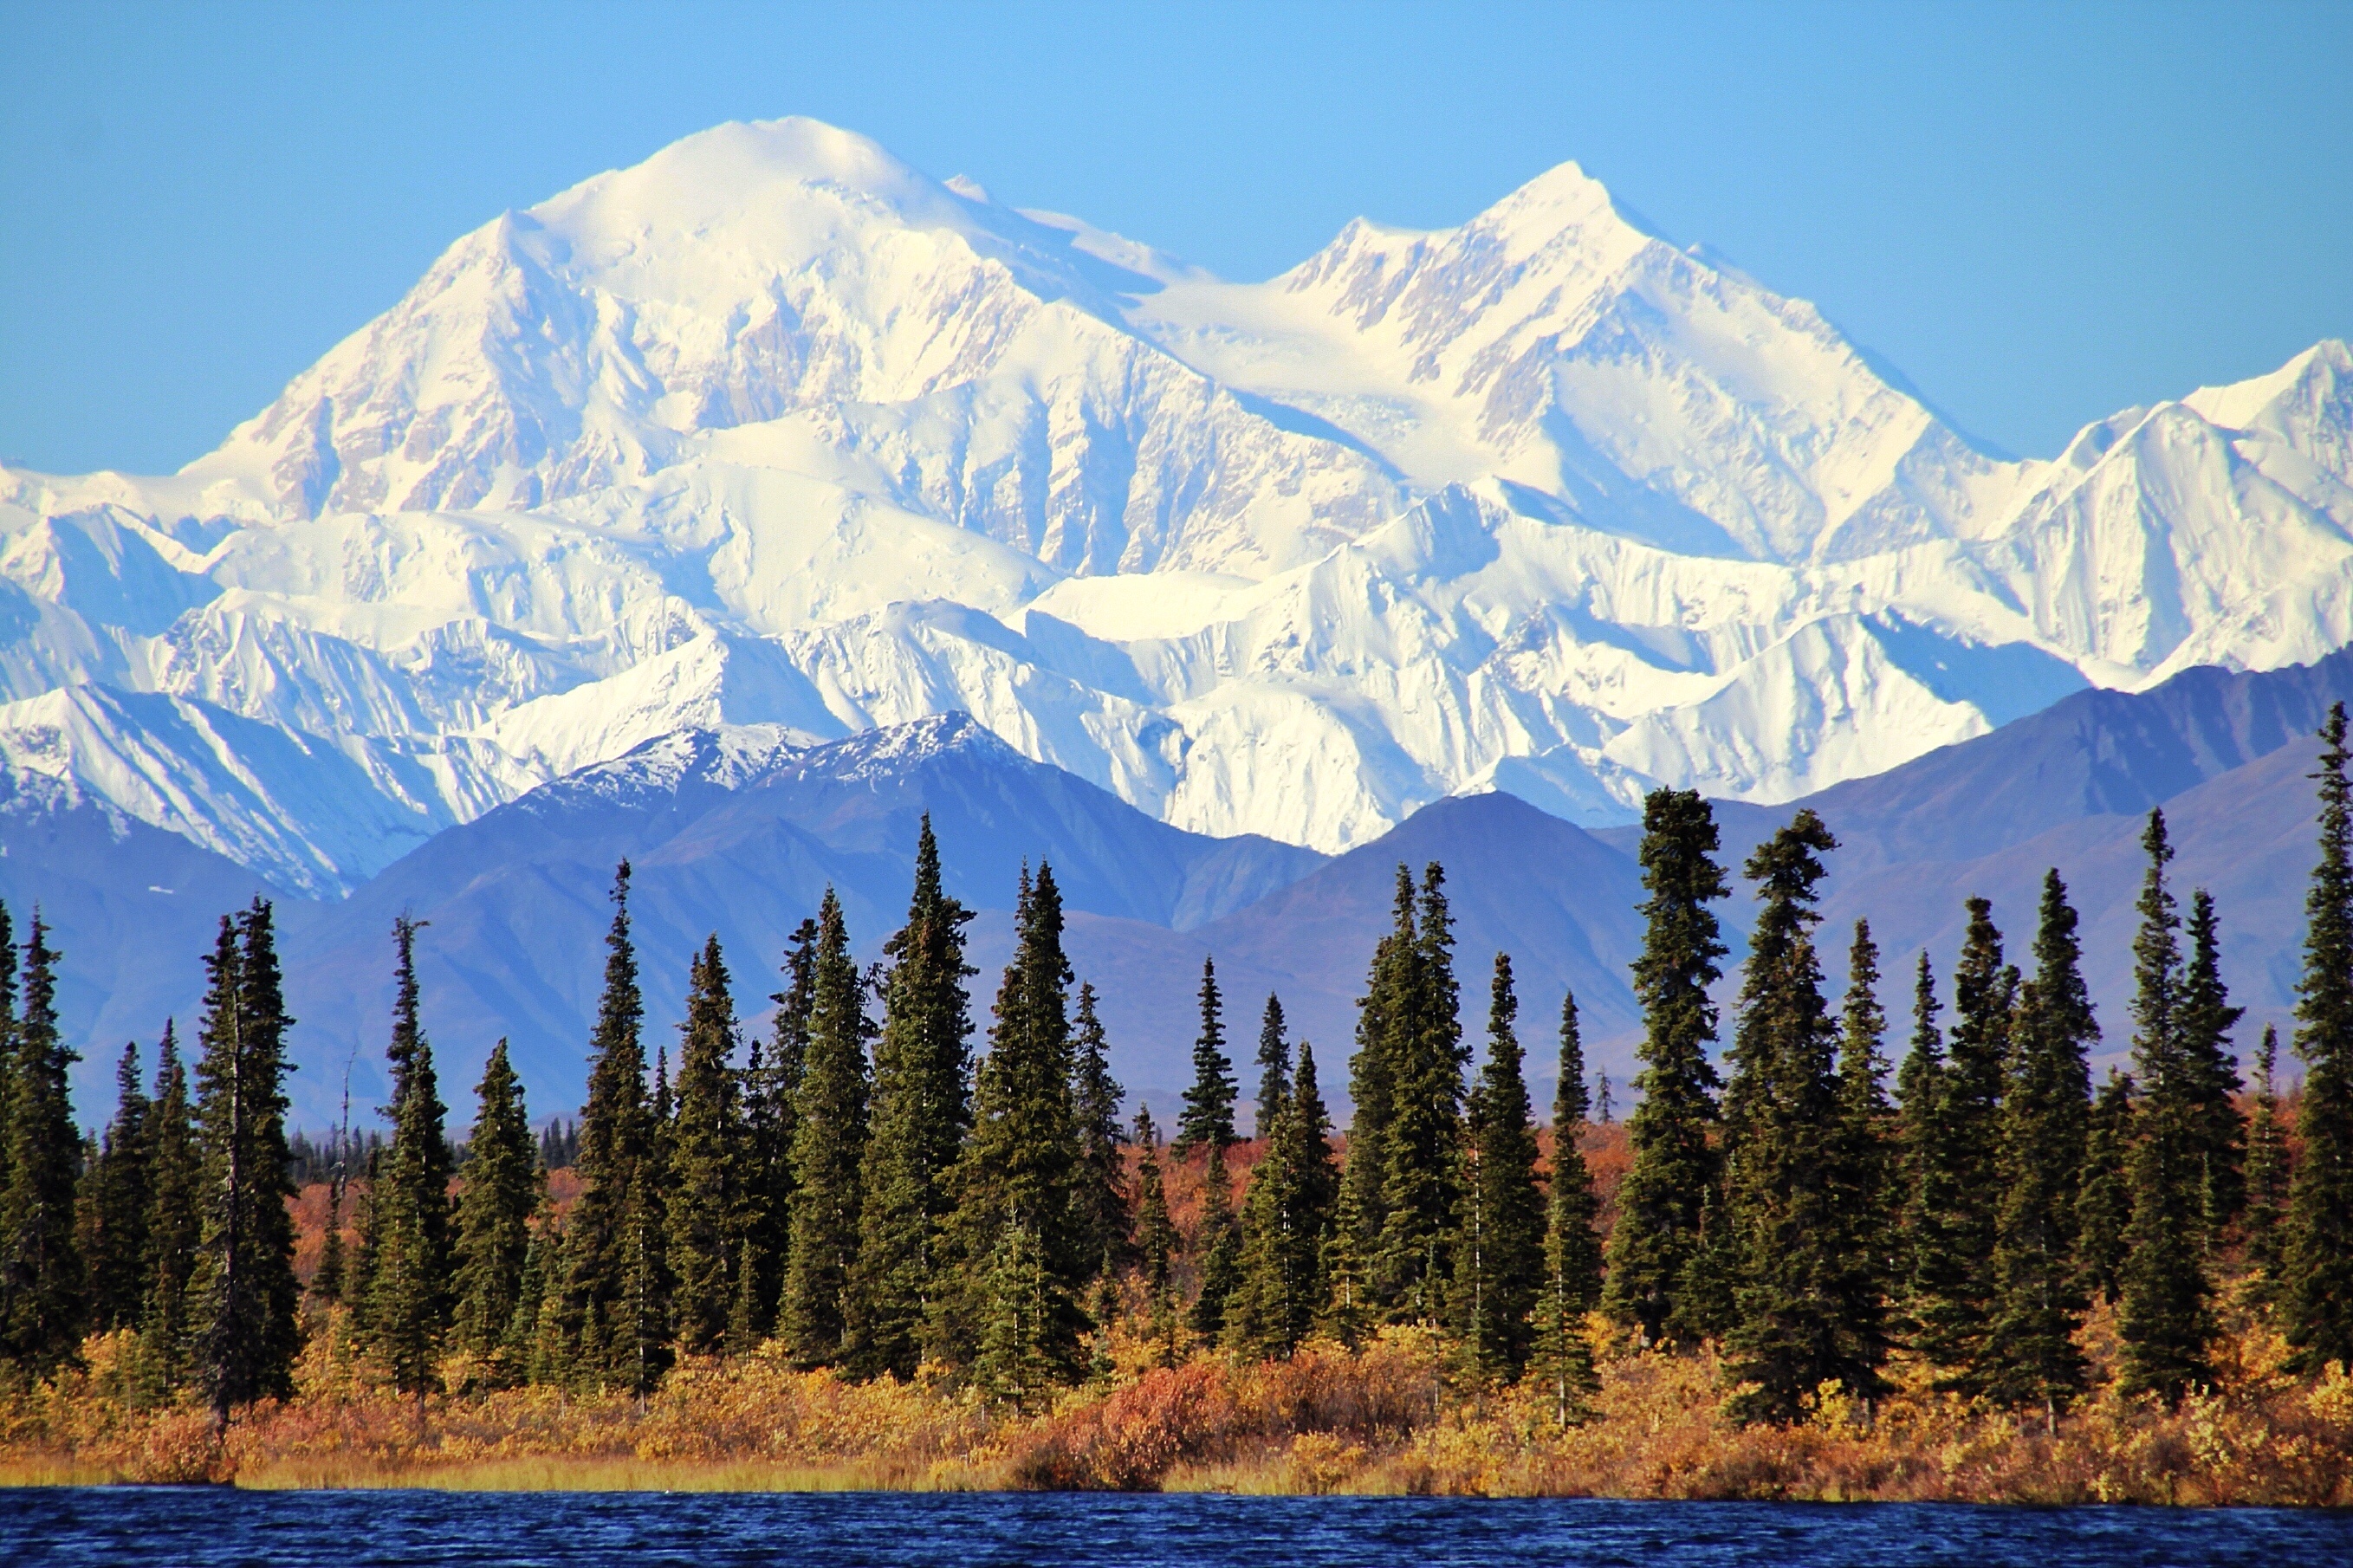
208 1528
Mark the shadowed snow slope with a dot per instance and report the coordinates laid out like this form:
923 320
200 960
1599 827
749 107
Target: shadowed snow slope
738 830
772 429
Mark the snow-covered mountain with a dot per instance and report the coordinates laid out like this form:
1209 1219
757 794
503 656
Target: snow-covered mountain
773 429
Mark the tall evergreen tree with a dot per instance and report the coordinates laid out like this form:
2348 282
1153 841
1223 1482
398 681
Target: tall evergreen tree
1219 1244
2030 1357
538 1310
1927 1259
1099 1198
1022 1264
115 1196
1563 1355
610 1324
42 1282
828 1146
1383 1013
922 1109
1985 996
771 1087
2103 1202
1790 1181
2317 1273
1286 1222
1274 1066
242 1291
2210 1065
7 1037
1208 1116
1499 1253
1872 1275
1156 1237
706 1197
175 1226
2267 1173
1674 1164
493 1248
2167 1320
1422 1186
410 1296
1960 1189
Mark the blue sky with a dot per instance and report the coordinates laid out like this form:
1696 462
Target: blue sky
2040 213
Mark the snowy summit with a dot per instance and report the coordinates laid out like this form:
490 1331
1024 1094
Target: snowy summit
773 429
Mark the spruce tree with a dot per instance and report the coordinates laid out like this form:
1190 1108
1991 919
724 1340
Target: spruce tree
7 1034
2316 1271
538 1310
1791 1177
1871 1276
493 1247
2104 1203
1219 1244
2029 1357
1156 1237
1957 1179
1985 995
115 1196
1383 1013
610 1326
1422 1186
242 1292
42 1282
1208 1115
1926 1257
410 1295
772 1086
829 1145
922 1109
1099 1198
2166 1319
1274 1066
1265 1315
175 1226
1319 1168
1674 1164
2210 1072
705 1190
1286 1220
2267 1173
1015 1229
1562 1355
1499 1253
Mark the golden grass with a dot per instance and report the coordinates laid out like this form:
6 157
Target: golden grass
1388 1418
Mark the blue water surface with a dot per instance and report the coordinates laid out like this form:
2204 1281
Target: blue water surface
215 1528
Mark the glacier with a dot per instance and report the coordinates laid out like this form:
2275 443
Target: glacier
773 429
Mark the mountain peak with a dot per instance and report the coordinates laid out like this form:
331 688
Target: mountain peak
742 164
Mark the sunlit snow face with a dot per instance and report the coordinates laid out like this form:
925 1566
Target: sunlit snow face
773 429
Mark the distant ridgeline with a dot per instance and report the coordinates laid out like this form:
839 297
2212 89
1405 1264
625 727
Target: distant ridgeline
856 1188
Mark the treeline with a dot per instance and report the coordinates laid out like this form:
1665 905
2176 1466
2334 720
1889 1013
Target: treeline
855 1190
173 1226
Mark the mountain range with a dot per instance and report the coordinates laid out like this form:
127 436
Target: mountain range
737 831
678 514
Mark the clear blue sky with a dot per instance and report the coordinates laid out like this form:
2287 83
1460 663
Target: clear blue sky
2041 212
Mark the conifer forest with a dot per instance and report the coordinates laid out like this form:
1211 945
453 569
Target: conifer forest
879 1216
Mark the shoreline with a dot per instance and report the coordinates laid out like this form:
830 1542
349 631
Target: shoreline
1386 1419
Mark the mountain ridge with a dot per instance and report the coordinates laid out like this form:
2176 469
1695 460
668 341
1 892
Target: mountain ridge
773 428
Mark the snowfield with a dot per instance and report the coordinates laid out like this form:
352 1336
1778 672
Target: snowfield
772 429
